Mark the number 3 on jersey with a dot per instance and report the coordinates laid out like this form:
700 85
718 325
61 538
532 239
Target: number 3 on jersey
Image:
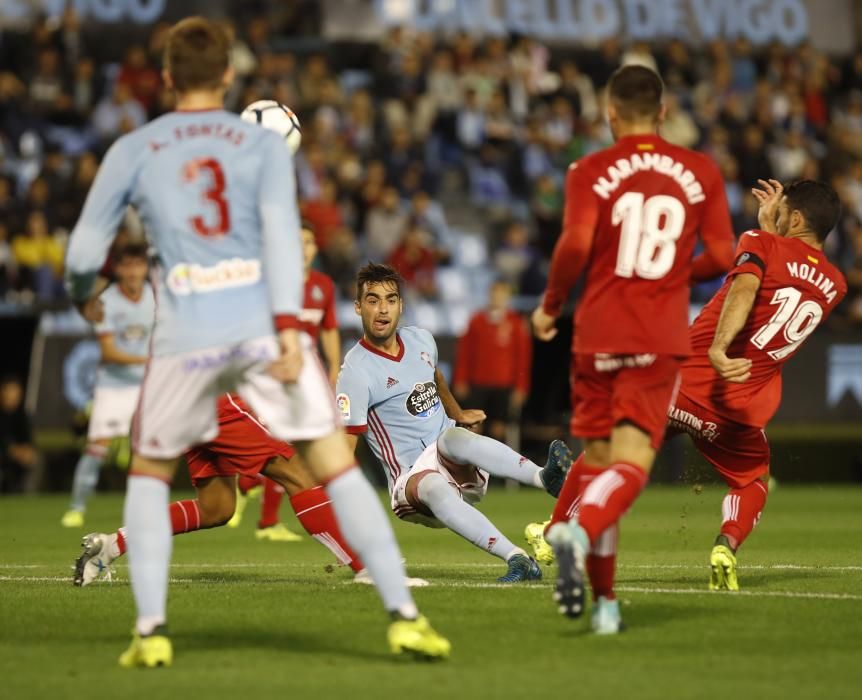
213 197
649 230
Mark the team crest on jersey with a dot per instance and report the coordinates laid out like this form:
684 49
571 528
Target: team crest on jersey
343 403
134 333
316 293
423 401
426 358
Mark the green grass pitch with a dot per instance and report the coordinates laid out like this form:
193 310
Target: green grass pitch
256 620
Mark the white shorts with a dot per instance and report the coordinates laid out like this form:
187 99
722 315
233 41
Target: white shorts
113 408
429 461
178 397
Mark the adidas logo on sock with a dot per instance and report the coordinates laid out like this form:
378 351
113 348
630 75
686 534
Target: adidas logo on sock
392 381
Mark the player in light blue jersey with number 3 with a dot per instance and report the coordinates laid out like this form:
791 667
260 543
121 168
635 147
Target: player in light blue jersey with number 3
218 200
391 391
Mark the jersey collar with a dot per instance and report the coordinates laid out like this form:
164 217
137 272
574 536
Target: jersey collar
394 358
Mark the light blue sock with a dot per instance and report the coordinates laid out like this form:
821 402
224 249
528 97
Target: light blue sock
368 531
148 545
87 476
462 518
494 457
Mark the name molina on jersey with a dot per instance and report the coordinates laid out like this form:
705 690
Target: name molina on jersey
423 401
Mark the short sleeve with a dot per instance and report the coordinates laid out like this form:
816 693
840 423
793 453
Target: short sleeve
107 326
429 342
752 252
352 396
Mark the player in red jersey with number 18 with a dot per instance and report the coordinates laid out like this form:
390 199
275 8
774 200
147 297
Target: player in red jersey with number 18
781 288
632 216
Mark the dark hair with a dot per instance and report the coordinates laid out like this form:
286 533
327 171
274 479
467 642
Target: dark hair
132 250
636 92
306 225
818 203
197 54
373 273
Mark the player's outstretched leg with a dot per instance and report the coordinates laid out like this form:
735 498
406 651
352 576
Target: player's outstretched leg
461 446
433 492
740 510
268 527
571 546
84 483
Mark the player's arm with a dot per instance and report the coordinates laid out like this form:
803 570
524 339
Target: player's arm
467 418
114 355
737 307
570 253
282 258
716 233
330 346
96 227
352 441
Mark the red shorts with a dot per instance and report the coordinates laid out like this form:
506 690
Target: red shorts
242 447
740 453
612 389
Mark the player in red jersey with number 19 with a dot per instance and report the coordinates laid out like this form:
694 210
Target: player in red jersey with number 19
781 288
632 216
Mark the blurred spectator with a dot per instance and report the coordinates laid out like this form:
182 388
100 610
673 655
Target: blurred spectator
517 262
39 258
788 157
470 122
578 89
85 87
8 266
416 260
678 126
118 114
324 213
546 206
384 225
493 362
18 457
46 84
142 79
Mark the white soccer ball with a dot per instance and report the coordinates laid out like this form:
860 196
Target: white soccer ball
275 116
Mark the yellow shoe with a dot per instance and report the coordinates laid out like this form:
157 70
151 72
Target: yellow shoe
148 652
418 638
277 533
241 503
722 564
534 533
73 518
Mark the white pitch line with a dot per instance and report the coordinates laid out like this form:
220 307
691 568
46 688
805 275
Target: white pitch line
488 585
470 565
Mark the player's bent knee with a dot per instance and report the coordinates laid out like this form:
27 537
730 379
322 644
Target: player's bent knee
422 490
455 442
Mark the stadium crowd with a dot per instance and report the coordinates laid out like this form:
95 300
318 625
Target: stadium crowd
390 138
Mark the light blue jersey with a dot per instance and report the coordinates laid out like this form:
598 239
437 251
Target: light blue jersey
393 401
217 197
130 322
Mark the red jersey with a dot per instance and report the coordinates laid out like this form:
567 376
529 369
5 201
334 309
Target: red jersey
495 352
799 288
318 304
632 215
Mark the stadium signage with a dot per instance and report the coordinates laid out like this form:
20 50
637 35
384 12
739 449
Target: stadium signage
759 21
103 11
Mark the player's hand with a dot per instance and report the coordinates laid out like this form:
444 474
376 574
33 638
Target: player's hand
471 419
736 370
544 325
93 310
517 399
769 197
287 367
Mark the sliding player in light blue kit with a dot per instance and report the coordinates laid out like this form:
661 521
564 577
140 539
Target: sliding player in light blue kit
218 200
391 391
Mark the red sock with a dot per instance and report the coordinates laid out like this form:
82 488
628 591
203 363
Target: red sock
609 496
741 511
602 563
185 517
315 513
247 483
270 503
579 477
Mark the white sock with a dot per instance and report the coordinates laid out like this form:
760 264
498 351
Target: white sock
366 528
448 507
494 457
148 545
87 476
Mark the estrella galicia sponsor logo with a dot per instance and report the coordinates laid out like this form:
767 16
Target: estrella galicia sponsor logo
423 401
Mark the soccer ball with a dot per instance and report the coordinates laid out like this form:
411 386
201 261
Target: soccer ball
275 116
